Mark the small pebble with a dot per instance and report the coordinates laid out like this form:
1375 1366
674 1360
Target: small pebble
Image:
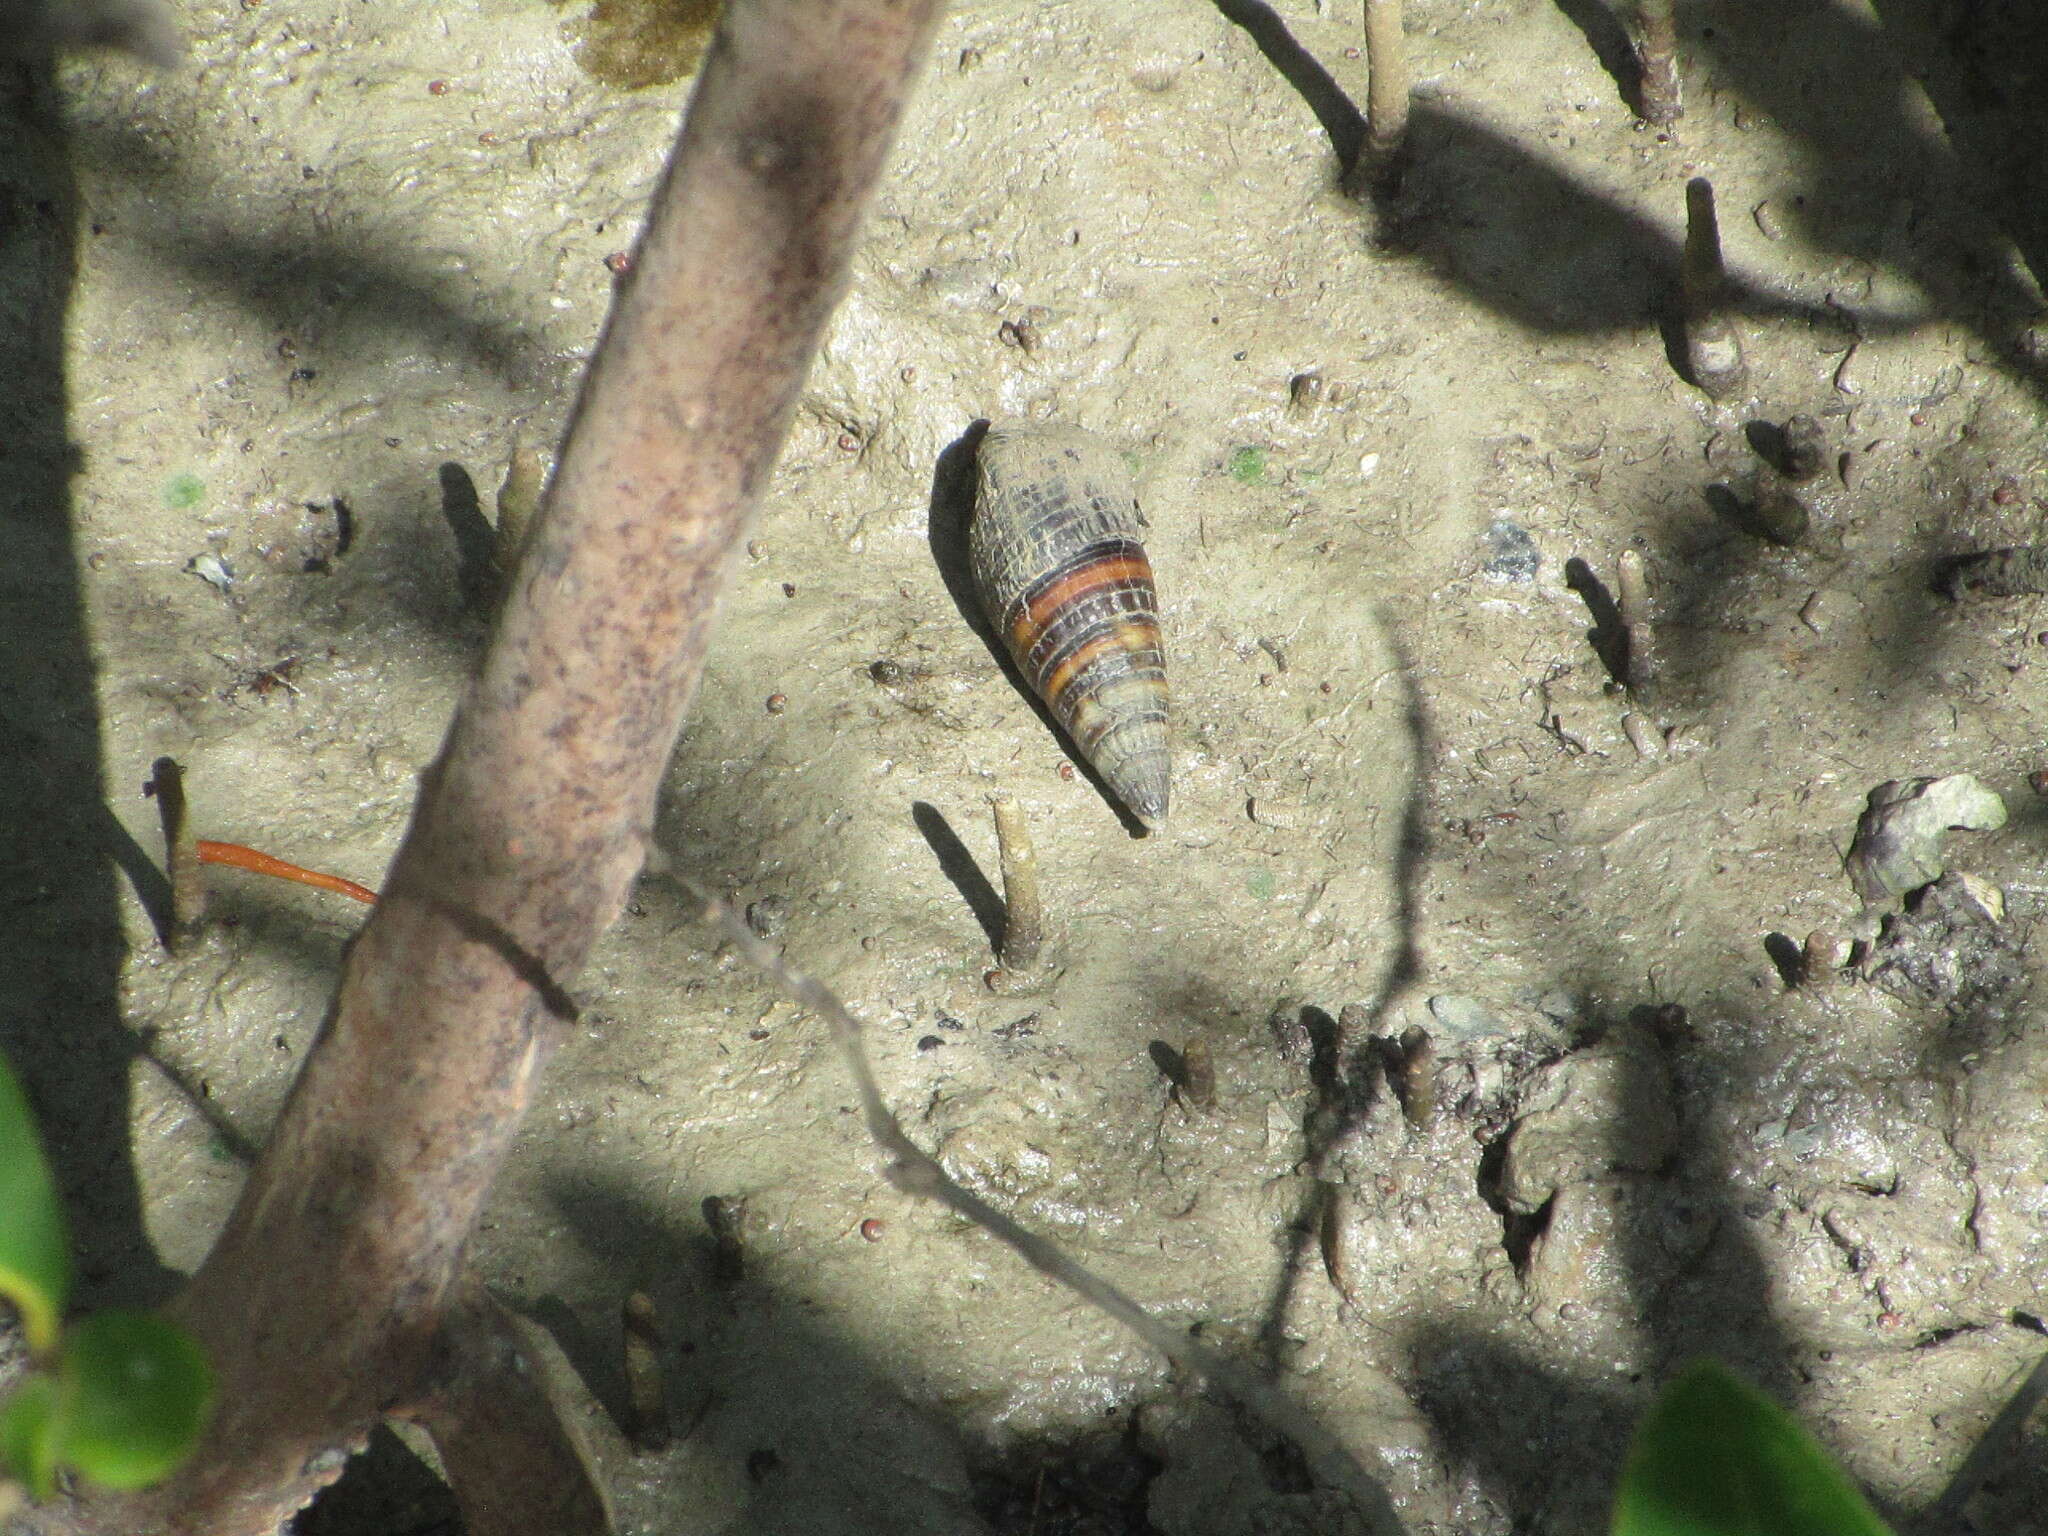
212 570
1511 555
767 917
1463 1018
872 1229
777 703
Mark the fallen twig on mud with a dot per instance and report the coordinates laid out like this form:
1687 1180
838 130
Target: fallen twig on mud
914 1171
236 856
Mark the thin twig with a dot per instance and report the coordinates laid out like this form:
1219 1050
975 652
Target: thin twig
646 1382
1023 914
1383 153
1713 350
915 1172
1632 601
1657 92
181 853
519 497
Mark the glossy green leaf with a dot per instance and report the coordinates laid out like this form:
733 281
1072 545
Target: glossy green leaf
133 1394
35 1266
1715 1457
27 1438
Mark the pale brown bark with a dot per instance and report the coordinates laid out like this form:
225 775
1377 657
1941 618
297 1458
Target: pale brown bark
323 1300
1657 90
502 1412
1382 154
1713 347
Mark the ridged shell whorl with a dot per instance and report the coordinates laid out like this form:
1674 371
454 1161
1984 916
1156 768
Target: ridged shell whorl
1063 578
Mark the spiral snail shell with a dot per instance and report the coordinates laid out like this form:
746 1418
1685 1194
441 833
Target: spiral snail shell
1064 580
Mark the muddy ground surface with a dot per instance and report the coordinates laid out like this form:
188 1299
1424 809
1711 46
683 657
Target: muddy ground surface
275 320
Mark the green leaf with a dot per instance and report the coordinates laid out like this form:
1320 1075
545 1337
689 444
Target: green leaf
1248 466
134 1392
35 1268
1715 1457
27 1438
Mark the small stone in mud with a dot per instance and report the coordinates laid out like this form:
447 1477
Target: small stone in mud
767 916
1898 844
1511 555
1802 449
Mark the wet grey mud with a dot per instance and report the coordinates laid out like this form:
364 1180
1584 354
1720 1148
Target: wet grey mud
1478 1100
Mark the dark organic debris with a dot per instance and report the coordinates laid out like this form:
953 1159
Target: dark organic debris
1950 945
2020 571
1772 511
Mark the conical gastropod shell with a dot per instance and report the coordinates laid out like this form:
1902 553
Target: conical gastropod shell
1064 580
